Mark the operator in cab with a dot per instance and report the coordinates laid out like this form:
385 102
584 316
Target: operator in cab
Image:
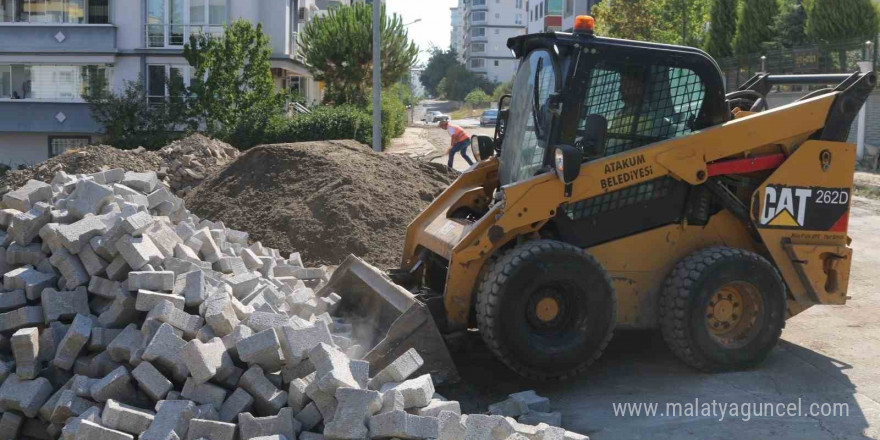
460 142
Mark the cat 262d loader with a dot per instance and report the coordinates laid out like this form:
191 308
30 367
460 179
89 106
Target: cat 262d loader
625 189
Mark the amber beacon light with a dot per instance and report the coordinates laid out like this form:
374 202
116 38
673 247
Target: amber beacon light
584 23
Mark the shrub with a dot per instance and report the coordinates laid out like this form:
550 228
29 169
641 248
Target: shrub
323 123
477 98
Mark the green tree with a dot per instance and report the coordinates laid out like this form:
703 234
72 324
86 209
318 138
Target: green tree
338 49
755 25
791 24
129 120
722 28
682 21
460 82
501 90
629 19
436 69
834 21
231 90
477 98
441 88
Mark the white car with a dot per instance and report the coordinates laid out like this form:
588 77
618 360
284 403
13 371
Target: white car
434 117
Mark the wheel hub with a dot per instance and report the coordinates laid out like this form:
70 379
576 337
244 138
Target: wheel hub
547 309
732 312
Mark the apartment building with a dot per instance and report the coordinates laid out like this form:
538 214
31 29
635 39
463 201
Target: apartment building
49 49
487 25
573 8
456 36
545 15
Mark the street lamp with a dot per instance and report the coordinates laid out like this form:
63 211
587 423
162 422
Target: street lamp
377 77
412 22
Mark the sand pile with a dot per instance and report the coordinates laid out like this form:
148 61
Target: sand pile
323 199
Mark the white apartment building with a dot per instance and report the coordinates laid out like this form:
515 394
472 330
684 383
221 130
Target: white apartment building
487 25
49 49
545 15
456 36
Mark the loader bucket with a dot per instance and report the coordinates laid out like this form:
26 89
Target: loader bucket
388 320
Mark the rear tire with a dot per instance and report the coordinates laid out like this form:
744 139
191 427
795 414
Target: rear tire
722 309
546 309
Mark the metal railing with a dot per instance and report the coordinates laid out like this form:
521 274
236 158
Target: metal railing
176 35
295 51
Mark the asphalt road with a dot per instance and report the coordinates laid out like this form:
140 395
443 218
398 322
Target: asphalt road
828 356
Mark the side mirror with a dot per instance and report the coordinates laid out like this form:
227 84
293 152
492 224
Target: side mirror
568 165
482 147
596 131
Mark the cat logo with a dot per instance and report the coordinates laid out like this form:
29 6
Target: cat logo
814 209
785 207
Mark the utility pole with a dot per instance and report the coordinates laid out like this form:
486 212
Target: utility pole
377 76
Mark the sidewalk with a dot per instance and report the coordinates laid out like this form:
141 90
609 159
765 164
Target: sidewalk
428 143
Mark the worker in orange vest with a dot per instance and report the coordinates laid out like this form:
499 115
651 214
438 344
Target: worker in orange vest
461 140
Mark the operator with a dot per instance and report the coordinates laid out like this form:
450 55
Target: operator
460 142
639 108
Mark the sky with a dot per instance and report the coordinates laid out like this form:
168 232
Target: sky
434 28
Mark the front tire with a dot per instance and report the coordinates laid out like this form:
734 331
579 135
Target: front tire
546 309
722 309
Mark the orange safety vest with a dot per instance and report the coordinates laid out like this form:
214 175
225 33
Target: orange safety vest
460 135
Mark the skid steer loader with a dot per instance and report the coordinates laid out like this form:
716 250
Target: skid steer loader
625 189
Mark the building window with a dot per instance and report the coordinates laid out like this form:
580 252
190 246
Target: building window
478 47
165 81
50 82
497 63
554 7
478 63
171 22
54 11
60 144
569 8
479 2
519 4
497 31
518 19
478 32
478 16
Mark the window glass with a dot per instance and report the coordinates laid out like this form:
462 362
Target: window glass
217 12
478 47
525 142
478 16
478 32
176 20
156 23
74 11
643 104
60 144
99 11
5 81
34 11
554 7
156 82
7 9
197 11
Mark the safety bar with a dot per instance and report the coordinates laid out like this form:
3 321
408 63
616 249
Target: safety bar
829 78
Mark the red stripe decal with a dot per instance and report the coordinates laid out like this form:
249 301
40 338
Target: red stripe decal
747 165
841 224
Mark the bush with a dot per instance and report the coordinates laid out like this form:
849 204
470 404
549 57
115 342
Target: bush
393 118
477 98
323 123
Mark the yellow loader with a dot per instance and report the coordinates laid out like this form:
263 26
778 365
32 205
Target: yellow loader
624 188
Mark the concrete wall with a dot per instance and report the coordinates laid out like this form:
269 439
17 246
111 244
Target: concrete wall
36 117
31 38
30 148
128 15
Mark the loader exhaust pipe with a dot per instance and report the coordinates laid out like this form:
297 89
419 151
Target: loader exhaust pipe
388 320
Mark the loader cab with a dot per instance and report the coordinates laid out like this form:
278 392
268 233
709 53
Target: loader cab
603 96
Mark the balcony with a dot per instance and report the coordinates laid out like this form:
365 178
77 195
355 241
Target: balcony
33 116
31 38
295 52
174 36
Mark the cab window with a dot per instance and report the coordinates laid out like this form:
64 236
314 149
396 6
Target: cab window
642 104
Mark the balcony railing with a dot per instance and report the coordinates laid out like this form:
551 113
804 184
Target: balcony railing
176 35
295 51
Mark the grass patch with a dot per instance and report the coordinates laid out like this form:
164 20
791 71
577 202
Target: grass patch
467 111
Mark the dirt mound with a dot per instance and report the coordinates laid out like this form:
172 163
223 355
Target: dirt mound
85 160
191 159
324 199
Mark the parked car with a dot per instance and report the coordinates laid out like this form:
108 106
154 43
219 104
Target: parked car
434 117
490 117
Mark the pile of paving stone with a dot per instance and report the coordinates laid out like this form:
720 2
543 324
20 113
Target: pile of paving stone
123 315
191 159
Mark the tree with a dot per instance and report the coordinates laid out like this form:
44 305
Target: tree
436 69
722 28
231 90
501 90
460 82
834 21
791 24
629 19
755 25
477 98
682 21
129 120
338 49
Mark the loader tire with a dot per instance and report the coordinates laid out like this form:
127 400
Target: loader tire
722 309
546 309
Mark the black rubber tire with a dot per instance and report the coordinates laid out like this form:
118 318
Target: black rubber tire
587 316
688 291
